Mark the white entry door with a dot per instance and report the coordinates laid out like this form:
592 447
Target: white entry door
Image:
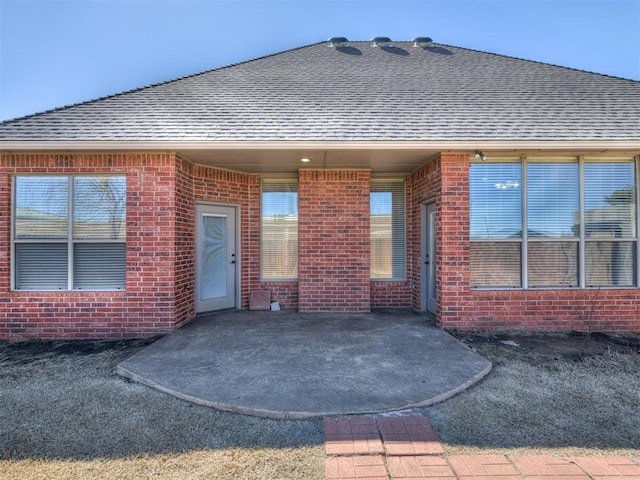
429 257
216 261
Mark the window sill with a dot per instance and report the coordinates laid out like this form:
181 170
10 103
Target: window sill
546 289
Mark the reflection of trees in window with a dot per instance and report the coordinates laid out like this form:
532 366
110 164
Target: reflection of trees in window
624 196
99 207
112 192
41 207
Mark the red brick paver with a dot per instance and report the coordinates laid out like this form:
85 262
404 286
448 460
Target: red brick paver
352 436
484 467
609 468
407 448
419 468
408 436
548 467
361 467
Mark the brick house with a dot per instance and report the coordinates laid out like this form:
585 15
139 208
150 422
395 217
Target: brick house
493 192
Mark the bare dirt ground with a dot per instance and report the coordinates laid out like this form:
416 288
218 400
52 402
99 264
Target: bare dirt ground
65 414
548 347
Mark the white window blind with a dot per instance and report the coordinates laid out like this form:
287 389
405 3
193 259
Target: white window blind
552 200
495 200
387 229
41 266
610 223
69 232
495 224
553 214
98 266
279 230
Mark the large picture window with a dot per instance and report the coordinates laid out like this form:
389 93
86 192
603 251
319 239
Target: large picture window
279 229
553 222
387 230
69 232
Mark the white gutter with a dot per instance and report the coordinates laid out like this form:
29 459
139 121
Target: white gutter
115 145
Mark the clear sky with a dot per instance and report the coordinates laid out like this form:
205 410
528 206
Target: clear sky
59 52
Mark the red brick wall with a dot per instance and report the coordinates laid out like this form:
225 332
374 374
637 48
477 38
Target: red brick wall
285 293
333 240
452 236
390 294
162 190
423 185
185 243
462 308
333 254
148 306
549 310
223 186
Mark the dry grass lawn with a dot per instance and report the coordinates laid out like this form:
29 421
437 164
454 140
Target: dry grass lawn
65 414
234 463
553 394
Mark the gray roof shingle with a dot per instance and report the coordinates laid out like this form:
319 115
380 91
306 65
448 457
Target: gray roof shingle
357 93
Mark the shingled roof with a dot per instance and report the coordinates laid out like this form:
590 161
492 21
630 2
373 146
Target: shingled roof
357 93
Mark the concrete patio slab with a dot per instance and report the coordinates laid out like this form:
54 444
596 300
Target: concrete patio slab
289 365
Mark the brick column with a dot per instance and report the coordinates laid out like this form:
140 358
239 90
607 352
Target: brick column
453 240
333 241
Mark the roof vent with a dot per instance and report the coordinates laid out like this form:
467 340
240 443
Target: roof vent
337 41
380 41
422 42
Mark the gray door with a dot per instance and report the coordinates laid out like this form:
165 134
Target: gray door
429 257
216 262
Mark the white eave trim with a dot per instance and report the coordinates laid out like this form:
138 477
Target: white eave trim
319 145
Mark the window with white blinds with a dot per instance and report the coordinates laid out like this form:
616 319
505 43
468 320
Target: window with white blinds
553 205
610 223
69 232
387 229
279 230
572 222
495 191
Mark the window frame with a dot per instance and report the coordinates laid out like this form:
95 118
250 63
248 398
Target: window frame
582 239
69 241
517 240
400 181
278 181
526 240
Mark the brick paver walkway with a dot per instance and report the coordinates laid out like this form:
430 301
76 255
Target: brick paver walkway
406 447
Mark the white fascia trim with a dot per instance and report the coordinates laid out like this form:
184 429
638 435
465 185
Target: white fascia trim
318 145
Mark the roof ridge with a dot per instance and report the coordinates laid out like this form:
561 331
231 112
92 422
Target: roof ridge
153 85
